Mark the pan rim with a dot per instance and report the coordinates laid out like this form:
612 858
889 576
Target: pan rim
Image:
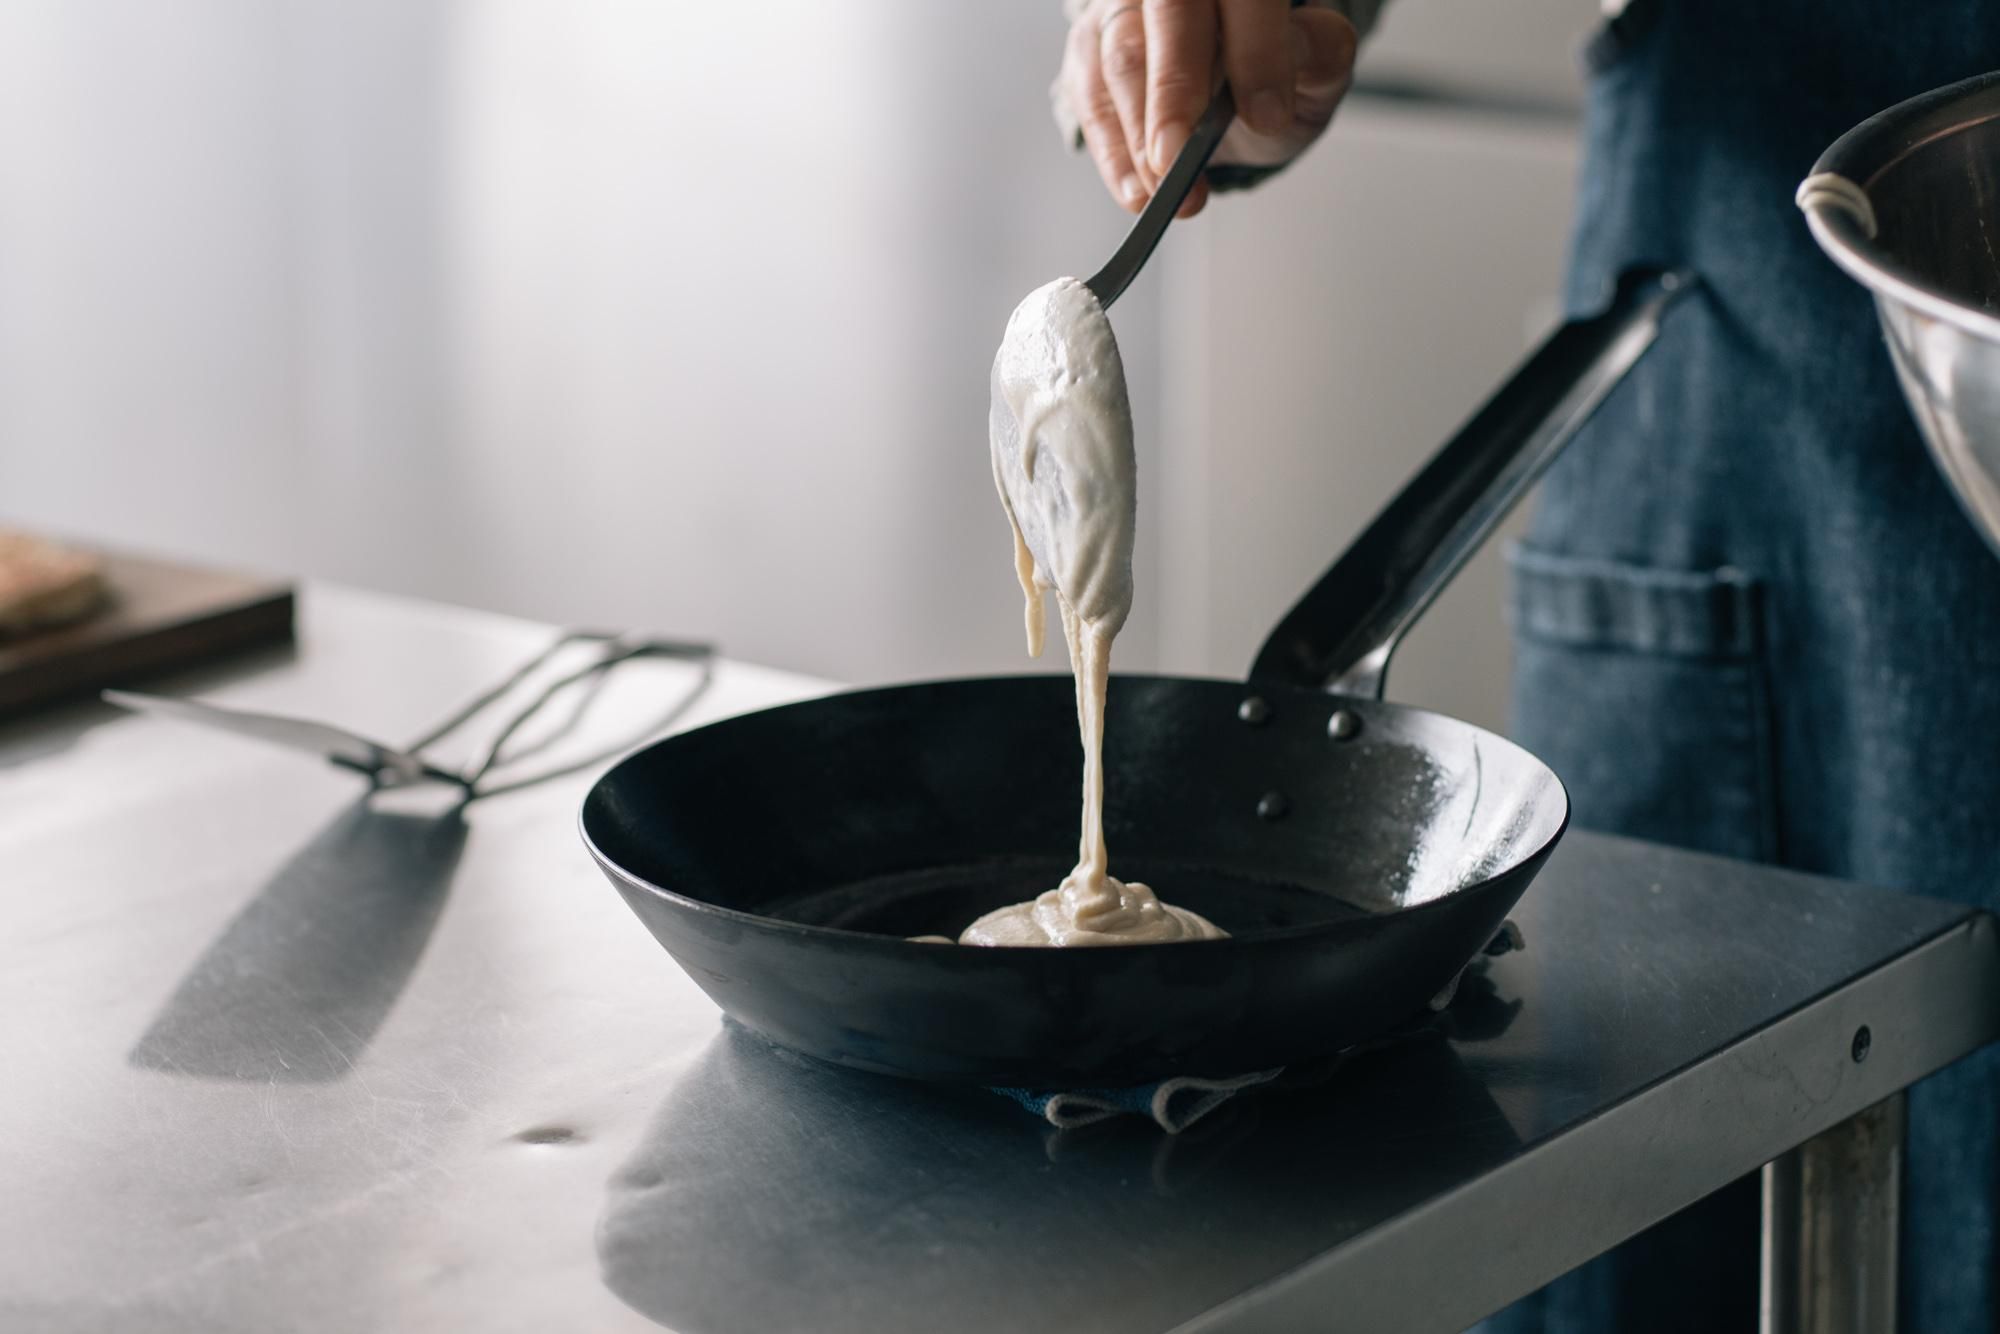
1274 934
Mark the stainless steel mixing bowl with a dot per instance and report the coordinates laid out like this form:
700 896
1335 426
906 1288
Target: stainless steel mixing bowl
1908 202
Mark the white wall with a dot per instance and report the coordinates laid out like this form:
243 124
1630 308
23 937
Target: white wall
606 311
677 315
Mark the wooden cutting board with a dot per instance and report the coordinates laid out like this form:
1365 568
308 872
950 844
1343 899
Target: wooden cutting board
161 616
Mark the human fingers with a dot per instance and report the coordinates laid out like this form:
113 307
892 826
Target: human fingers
1104 135
1322 45
1257 55
1196 198
1180 64
1121 52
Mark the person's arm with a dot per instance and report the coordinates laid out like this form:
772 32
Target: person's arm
1137 73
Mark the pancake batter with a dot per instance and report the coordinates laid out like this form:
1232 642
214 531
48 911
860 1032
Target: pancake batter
1061 429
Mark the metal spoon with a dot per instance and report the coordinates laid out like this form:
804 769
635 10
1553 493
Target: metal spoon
1111 280
400 766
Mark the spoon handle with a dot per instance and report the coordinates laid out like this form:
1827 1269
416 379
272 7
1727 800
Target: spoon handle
1108 282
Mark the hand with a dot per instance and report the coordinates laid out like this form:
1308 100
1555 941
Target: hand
1138 73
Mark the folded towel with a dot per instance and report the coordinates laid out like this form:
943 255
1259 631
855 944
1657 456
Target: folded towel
1177 1103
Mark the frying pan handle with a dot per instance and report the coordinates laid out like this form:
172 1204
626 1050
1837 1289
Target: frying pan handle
1341 634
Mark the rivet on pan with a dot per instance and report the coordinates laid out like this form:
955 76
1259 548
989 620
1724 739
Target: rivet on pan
1254 711
1272 806
1863 1040
1343 725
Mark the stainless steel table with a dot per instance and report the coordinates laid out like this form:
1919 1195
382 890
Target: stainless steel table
277 1060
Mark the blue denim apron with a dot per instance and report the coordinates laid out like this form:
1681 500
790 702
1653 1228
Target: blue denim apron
1749 617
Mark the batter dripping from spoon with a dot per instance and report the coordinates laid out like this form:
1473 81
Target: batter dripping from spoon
1061 431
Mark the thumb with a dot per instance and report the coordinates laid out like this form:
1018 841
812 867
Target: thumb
1322 44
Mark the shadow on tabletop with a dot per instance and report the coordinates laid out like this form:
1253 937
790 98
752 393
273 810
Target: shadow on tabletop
51 729
295 988
773 1191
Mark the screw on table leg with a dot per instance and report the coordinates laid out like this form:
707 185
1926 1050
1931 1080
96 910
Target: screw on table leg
1830 1223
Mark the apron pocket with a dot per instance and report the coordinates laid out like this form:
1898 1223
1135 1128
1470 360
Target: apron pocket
1645 690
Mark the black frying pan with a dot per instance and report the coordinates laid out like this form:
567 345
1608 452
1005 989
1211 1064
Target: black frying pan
1360 853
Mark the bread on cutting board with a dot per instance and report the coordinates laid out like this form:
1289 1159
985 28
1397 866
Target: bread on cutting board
45 584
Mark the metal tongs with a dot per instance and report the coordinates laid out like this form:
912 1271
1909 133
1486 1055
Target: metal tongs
405 766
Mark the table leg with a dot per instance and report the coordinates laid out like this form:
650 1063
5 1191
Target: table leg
1830 1219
